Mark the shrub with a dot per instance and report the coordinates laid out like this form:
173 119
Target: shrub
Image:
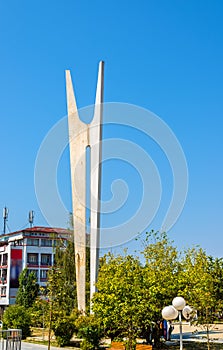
64 328
89 329
63 331
17 317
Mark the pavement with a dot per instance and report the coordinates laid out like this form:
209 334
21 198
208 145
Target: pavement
31 346
199 333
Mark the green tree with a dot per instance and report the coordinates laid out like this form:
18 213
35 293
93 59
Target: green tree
160 278
61 291
17 317
61 283
130 296
40 310
119 301
201 281
28 289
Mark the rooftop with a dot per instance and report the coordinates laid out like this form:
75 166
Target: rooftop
38 229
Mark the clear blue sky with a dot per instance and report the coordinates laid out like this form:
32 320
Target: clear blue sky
166 56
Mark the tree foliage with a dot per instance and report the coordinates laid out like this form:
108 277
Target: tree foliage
89 329
61 293
160 278
64 327
40 310
119 300
28 289
17 317
202 283
62 279
131 295
132 292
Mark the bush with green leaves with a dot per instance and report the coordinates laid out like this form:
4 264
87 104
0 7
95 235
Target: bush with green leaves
90 331
17 317
64 327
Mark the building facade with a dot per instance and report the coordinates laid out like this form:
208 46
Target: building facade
31 248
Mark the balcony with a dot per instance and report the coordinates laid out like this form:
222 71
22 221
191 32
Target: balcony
46 263
46 260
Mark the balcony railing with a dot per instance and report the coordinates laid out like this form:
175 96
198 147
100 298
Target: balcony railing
33 263
3 280
46 263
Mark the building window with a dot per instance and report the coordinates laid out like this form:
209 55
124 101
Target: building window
33 241
46 259
5 260
4 276
43 275
46 242
32 259
18 243
3 292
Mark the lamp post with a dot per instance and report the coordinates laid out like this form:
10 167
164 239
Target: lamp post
175 310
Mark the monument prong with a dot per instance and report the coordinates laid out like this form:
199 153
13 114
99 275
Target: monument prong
77 141
95 143
71 101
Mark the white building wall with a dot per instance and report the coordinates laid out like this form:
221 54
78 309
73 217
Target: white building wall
19 241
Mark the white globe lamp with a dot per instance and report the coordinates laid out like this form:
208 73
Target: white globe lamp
169 313
187 312
179 303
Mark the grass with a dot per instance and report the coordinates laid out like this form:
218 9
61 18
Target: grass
40 336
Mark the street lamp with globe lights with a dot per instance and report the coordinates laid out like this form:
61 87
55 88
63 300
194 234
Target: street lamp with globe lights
175 310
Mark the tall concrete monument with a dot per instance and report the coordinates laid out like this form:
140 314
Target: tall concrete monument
81 136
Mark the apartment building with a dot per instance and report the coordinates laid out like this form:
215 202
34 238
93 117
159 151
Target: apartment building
33 248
